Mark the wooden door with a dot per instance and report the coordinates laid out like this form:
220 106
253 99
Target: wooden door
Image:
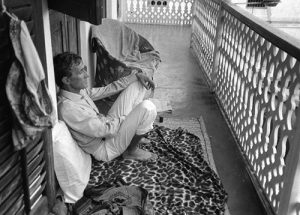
64 33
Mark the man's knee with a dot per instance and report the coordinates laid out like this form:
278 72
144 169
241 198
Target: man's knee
148 106
137 86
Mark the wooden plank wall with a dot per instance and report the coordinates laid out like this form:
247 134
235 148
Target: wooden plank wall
22 173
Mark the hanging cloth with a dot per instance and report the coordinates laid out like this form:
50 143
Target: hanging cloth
123 44
26 89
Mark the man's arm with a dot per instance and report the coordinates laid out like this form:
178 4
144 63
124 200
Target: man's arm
87 123
112 88
119 85
145 81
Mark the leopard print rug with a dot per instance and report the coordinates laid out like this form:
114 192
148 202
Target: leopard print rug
179 182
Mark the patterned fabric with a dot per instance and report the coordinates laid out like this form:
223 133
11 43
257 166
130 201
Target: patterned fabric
179 182
26 89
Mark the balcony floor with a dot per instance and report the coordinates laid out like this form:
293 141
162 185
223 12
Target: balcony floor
180 79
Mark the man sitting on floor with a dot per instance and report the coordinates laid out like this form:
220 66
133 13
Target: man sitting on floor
129 118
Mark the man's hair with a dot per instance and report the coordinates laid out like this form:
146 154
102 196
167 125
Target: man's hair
63 64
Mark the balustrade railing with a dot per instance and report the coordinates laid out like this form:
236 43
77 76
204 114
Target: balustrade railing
170 12
254 71
204 32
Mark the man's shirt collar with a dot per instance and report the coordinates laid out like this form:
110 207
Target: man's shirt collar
69 95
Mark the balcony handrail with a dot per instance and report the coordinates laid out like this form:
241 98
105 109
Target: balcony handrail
254 70
281 39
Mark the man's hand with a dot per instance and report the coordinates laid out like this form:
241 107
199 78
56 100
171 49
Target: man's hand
145 81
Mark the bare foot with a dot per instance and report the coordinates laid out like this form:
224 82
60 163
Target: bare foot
145 140
140 154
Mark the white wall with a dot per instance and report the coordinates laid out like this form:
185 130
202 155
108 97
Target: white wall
256 11
288 10
49 55
85 48
112 9
286 16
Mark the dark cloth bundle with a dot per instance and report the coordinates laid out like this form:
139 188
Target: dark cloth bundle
108 199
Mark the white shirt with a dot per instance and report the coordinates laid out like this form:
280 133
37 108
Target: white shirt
87 126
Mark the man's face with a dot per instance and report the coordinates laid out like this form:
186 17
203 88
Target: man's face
79 78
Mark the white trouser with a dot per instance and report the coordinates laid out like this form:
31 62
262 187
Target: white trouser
139 118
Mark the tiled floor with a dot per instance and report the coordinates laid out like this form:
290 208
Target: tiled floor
180 80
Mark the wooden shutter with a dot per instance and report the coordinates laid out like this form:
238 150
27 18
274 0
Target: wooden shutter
22 173
64 33
91 11
255 3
